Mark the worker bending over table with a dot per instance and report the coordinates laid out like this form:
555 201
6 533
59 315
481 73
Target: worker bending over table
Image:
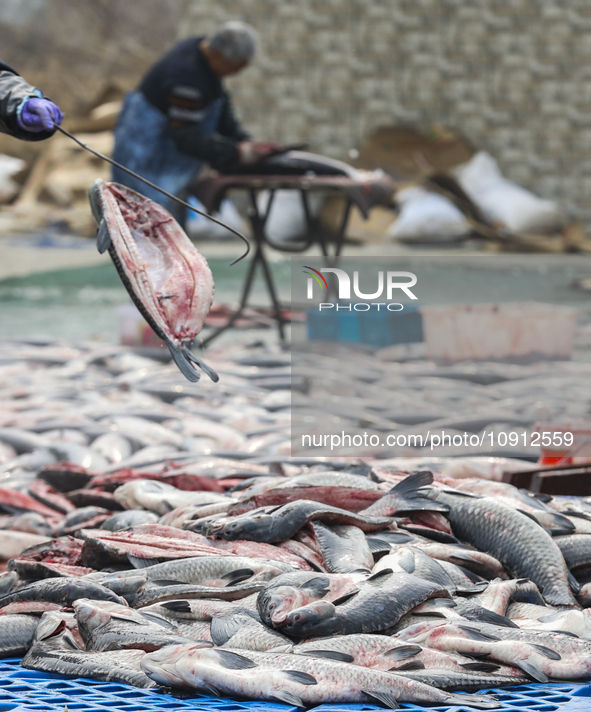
181 116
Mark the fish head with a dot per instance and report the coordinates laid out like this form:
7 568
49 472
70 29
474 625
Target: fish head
307 617
50 624
274 604
89 616
162 665
253 528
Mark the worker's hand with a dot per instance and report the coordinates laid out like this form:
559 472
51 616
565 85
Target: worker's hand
250 152
39 115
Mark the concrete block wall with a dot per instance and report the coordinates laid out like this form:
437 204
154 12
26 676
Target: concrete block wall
513 75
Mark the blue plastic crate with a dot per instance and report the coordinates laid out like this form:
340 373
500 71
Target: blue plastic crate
375 326
26 690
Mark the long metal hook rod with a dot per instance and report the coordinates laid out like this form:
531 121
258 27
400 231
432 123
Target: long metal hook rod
164 192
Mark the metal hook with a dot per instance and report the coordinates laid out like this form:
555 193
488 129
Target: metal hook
161 190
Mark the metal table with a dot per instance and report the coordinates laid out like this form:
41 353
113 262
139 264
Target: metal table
365 191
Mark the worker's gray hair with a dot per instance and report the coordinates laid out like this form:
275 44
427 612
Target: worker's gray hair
235 41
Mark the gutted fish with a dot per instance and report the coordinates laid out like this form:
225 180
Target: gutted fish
168 280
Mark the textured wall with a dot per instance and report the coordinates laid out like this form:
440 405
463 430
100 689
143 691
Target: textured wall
511 74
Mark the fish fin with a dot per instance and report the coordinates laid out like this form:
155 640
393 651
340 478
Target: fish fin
531 516
409 489
402 652
288 698
123 617
169 506
475 578
463 556
234 661
410 484
183 362
531 670
202 365
378 546
476 634
545 498
347 596
483 615
223 628
410 665
386 698
138 562
480 667
319 584
177 606
330 654
442 603
546 652
476 656
428 533
478 587
375 578
234 577
460 493
302 677
208 687
566 632
103 239
562 525
167 582
157 619
580 515
573 583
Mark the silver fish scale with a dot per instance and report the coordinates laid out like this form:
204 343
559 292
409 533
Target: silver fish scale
520 544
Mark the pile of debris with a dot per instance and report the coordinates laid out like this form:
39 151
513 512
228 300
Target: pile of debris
449 193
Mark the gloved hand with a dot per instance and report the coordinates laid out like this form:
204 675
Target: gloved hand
250 152
39 115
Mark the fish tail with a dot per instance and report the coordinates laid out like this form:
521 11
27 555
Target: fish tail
183 362
202 365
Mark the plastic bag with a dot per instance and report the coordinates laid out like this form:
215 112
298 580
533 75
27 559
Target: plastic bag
503 202
427 215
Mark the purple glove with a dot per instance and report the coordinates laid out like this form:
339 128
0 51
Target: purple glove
39 115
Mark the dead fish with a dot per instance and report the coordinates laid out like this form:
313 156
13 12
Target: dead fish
29 522
519 543
160 497
291 679
153 593
282 523
290 591
61 655
16 634
378 605
209 570
498 594
343 547
104 629
129 518
13 543
60 590
528 615
168 280
381 652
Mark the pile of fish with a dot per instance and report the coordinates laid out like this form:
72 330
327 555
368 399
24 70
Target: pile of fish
156 532
343 387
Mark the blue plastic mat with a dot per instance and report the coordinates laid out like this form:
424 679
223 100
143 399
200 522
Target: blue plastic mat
26 690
